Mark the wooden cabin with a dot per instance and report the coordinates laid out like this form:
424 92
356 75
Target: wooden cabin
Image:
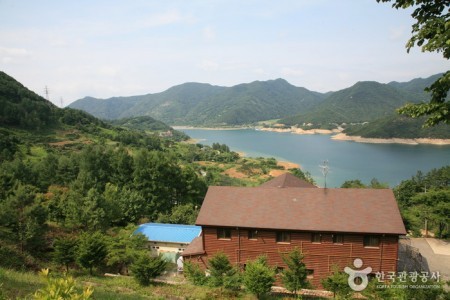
329 226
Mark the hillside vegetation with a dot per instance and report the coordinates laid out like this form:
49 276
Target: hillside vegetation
397 126
66 176
204 104
363 102
200 104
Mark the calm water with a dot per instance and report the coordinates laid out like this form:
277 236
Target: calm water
389 163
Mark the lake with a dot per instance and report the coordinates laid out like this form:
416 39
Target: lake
389 163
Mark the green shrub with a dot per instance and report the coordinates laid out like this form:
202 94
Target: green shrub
61 289
145 268
194 274
259 277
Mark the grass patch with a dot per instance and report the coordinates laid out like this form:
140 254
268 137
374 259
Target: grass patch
19 285
22 285
38 151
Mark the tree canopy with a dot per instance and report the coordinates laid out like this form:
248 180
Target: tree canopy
431 32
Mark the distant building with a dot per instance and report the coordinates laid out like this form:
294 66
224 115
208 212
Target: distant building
170 240
329 226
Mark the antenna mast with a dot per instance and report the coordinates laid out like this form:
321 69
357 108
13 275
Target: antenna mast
47 92
325 169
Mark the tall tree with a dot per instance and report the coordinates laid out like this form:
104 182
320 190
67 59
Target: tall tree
124 248
431 33
23 217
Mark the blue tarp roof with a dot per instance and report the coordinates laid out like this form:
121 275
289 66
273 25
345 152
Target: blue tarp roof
172 233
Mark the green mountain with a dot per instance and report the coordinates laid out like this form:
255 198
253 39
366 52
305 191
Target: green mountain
204 104
416 86
364 101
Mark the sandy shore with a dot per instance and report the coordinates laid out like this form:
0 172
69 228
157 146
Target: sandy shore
209 128
339 136
301 131
359 139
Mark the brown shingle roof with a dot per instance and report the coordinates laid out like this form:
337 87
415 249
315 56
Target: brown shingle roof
195 247
287 180
304 209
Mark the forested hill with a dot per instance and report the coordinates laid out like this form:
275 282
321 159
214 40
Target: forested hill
396 126
24 109
364 101
204 104
66 177
416 86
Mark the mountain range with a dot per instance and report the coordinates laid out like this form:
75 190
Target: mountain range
201 104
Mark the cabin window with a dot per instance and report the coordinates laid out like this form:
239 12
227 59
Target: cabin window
316 238
253 234
371 241
279 270
309 273
224 233
338 238
283 237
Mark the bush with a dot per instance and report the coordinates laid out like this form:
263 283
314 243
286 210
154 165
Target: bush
61 289
259 277
194 274
146 268
337 283
92 250
219 267
295 277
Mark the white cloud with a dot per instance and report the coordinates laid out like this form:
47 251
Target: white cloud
166 18
208 65
260 71
10 55
14 51
292 72
107 71
209 33
397 33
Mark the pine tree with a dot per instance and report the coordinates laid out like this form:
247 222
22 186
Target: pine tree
295 277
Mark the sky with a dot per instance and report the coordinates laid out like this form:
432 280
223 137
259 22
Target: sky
122 48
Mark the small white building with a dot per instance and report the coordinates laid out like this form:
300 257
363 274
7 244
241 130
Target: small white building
169 240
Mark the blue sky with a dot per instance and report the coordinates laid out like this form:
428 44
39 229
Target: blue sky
121 48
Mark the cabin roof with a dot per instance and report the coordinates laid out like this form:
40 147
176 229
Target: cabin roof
169 233
287 180
195 247
302 209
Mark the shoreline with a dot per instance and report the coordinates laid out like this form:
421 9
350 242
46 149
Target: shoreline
336 134
209 128
340 136
418 141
